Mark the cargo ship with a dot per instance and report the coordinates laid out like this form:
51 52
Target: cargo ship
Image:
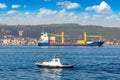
46 40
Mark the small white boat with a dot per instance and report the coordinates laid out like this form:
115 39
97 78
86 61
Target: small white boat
55 63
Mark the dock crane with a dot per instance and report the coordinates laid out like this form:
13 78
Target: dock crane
61 35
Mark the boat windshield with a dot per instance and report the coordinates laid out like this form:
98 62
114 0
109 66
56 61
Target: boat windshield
56 60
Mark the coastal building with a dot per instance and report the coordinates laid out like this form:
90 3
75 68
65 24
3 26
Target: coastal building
12 40
20 33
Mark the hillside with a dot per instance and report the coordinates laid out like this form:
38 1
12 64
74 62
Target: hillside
69 29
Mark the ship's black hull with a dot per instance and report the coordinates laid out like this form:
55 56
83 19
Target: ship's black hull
64 66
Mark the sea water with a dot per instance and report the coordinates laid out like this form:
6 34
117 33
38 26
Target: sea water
96 63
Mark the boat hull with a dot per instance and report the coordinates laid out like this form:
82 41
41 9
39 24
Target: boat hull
99 44
64 66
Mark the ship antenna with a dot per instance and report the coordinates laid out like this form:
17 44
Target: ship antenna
54 55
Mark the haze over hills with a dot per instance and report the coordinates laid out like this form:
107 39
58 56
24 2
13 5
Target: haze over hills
109 33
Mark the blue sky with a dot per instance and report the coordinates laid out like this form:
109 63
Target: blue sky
85 12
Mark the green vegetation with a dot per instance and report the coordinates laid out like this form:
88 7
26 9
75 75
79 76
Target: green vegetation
74 30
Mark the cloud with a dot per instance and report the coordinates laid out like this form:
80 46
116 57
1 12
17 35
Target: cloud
102 8
44 11
15 6
48 16
86 17
2 6
11 12
73 16
68 5
62 13
27 13
113 17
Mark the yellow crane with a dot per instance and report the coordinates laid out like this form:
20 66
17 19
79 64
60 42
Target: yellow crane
84 40
61 35
95 36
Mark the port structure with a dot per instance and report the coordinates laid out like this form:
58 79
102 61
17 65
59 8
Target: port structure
59 35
